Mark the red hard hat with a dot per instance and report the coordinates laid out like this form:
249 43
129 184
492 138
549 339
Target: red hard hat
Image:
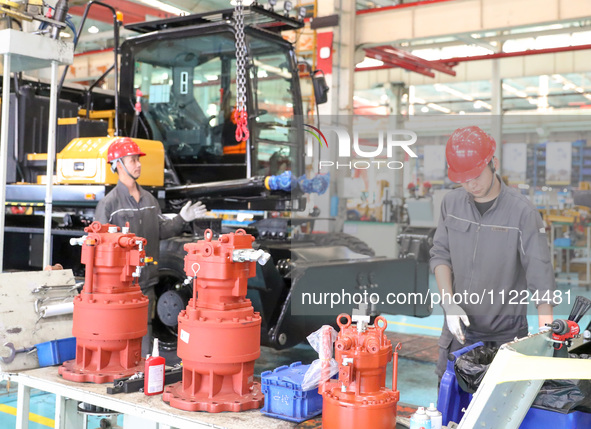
123 147
468 152
427 185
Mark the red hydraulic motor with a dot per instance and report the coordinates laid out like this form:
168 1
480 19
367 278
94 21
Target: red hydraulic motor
359 398
111 313
219 332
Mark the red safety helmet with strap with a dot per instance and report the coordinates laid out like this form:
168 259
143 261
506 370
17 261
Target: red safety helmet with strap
123 147
468 152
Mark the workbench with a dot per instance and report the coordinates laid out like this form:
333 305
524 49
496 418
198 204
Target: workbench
147 412
139 410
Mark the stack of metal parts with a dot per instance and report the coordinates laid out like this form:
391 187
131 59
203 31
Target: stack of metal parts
219 332
111 313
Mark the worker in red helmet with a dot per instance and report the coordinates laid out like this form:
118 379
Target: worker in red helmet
489 249
129 202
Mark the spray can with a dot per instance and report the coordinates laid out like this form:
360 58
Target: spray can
420 419
435 416
154 372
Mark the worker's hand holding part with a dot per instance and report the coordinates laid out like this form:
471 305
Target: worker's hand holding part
455 316
191 211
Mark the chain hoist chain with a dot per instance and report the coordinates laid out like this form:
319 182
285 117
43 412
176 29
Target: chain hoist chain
240 113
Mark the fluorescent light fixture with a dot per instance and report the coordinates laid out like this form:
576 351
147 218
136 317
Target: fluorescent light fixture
439 108
93 30
514 90
479 104
211 77
65 35
444 88
157 4
424 109
369 62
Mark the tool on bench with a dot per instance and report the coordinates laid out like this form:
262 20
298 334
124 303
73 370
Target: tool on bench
563 331
13 352
135 383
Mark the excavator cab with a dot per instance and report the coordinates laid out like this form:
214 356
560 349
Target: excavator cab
187 79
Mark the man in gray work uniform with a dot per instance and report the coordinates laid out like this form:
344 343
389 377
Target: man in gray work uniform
490 244
129 202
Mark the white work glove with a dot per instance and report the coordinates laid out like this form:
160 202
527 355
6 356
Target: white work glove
455 316
190 212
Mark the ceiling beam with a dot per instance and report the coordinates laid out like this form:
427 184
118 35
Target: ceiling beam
458 17
391 61
132 12
417 60
454 61
469 40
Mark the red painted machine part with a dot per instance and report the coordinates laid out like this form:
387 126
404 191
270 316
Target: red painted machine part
359 398
219 332
111 313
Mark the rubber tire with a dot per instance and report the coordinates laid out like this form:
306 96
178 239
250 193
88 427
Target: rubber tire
171 270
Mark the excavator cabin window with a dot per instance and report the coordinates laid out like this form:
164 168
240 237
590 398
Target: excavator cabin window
188 90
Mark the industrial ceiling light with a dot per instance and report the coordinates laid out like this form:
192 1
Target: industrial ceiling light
302 12
272 4
93 30
287 7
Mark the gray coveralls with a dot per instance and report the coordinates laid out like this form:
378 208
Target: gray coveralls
498 256
145 220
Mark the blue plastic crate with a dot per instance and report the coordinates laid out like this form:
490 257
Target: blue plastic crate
284 397
56 351
563 242
544 419
452 400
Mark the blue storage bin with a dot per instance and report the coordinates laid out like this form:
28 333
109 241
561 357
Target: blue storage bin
284 397
452 399
544 419
563 242
56 352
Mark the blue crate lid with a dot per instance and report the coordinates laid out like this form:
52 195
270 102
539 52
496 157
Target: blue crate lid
292 375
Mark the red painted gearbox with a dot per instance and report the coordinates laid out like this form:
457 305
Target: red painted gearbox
359 398
111 313
219 332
